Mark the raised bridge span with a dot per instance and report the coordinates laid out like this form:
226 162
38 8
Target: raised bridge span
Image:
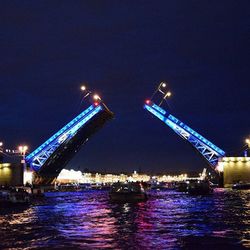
52 156
208 150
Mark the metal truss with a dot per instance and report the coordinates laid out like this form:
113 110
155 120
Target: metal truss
207 149
38 157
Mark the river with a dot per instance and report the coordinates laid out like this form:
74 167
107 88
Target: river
168 220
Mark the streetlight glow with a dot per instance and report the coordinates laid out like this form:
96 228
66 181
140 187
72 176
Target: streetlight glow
164 85
1 144
23 149
83 88
168 94
96 97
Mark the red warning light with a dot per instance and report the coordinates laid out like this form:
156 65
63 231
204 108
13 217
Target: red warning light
148 101
96 104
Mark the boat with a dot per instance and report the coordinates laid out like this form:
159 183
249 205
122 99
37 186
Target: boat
199 187
14 196
241 186
127 192
182 186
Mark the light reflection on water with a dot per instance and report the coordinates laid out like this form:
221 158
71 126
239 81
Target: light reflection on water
168 220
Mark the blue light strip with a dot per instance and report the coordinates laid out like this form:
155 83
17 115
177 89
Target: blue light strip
159 109
172 122
73 125
197 135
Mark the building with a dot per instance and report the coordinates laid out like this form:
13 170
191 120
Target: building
235 169
11 174
72 176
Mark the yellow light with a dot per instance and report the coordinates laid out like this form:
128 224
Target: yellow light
83 88
248 142
23 149
169 94
96 97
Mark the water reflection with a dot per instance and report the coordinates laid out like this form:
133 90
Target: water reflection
168 219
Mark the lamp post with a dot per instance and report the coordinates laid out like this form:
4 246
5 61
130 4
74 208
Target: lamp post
1 152
248 146
162 88
85 91
22 150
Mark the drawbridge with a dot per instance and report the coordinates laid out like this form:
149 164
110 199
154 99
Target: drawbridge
208 150
52 156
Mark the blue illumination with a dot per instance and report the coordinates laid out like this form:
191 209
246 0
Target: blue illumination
159 109
197 135
67 132
210 151
160 116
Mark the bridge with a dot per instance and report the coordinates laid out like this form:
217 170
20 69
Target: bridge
209 151
52 156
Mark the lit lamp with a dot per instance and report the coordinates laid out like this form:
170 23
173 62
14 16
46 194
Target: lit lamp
85 91
83 88
248 146
1 147
96 97
27 175
23 150
1 151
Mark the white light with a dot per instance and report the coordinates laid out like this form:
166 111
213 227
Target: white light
1 144
220 167
168 94
27 177
22 149
96 97
163 84
83 88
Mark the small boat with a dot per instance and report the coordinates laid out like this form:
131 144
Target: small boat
199 187
182 186
14 196
127 192
241 186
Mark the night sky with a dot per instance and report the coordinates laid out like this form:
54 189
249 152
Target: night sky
123 49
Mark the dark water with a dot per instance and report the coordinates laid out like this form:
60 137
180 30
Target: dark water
168 220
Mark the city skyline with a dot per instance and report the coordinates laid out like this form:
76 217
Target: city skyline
122 54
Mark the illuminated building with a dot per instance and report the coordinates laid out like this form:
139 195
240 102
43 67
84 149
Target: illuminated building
11 174
235 169
71 176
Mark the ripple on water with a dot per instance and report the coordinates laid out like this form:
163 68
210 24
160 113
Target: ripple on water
171 220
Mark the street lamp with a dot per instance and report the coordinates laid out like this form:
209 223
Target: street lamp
162 88
168 94
247 141
96 97
1 152
163 84
23 149
85 91
83 88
